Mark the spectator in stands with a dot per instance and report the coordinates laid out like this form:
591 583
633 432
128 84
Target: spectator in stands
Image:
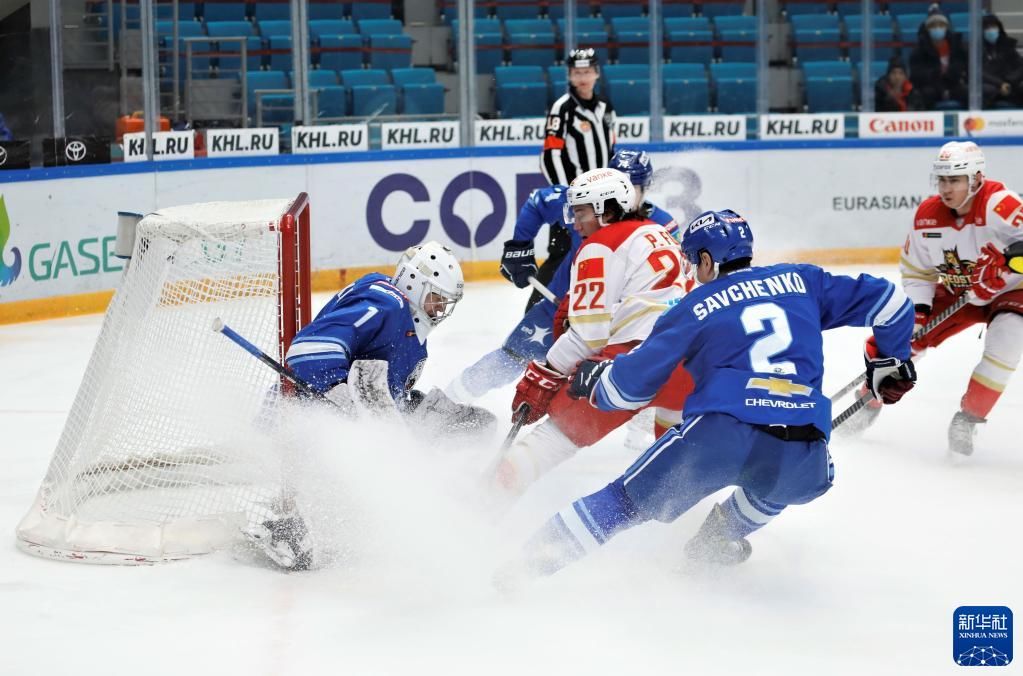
938 64
1002 67
892 90
5 133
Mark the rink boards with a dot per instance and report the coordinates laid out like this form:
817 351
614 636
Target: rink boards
825 201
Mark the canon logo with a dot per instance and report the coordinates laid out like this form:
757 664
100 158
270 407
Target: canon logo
889 126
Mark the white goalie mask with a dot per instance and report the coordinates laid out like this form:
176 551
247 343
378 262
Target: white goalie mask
596 186
431 278
959 158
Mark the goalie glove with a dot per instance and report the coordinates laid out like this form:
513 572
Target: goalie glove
537 387
365 391
887 377
438 415
586 377
518 262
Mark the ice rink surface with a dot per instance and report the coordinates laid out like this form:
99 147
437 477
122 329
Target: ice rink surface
863 580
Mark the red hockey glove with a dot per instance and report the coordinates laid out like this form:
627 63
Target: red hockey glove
538 386
887 377
561 317
987 273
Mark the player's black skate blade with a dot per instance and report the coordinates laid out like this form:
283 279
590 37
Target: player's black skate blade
961 432
711 548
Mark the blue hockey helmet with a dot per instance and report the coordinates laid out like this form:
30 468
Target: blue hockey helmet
725 235
635 163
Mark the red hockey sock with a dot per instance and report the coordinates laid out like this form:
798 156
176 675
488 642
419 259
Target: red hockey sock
979 399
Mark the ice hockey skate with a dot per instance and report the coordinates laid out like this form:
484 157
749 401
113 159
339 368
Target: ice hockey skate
711 548
961 431
285 541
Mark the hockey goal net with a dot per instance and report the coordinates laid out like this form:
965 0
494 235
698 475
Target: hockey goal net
168 449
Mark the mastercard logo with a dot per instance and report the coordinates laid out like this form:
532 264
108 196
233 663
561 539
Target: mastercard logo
974 124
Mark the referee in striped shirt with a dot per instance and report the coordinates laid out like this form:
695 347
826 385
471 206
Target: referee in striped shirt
579 137
580 125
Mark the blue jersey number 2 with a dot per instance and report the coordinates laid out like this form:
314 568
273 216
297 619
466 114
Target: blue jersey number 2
754 320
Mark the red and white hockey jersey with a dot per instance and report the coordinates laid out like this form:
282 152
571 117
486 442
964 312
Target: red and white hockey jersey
624 277
943 247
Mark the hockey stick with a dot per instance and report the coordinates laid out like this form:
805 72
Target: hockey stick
518 419
924 330
542 290
302 386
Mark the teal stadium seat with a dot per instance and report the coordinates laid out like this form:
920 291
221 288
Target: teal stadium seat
331 99
613 10
381 9
881 29
489 44
686 88
628 86
515 9
272 11
589 30
275 106
797 8
634 30
583 8
689 29
828 86
370 92
520 91
225 11
676 8
340 47
530 42
419 93
325 9
722 8
735 87
809 30
277 38
737 29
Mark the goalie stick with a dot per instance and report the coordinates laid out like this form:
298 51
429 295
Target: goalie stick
924 330
302 386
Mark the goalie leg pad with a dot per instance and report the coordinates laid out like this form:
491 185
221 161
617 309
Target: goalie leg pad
285 541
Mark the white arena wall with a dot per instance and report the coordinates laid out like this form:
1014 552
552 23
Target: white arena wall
823 200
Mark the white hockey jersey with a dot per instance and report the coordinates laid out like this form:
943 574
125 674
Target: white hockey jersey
943 247
624 277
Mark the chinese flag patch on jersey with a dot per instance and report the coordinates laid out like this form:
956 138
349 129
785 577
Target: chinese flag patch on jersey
591 268
1007 206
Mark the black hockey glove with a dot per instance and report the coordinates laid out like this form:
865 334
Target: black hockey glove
585 378
887 377
518 262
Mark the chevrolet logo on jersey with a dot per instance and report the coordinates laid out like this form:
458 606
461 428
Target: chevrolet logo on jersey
779 387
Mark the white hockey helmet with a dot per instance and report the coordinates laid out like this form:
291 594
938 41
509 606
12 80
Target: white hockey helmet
431 278
596 186
960 158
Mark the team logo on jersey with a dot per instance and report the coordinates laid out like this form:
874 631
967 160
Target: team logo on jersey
955 270
8 273
779 387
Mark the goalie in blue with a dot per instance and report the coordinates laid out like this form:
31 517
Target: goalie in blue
751 338
533 336
365 351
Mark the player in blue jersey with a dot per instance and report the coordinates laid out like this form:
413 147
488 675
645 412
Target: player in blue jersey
751 338
533 336
365 350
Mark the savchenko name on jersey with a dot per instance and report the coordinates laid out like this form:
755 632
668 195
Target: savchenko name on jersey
775 285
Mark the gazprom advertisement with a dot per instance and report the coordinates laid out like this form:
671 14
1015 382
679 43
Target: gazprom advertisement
56 235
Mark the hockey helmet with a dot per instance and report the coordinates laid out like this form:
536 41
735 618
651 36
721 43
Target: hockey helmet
725 235
431 278
583 57
959 158
635 163
597 186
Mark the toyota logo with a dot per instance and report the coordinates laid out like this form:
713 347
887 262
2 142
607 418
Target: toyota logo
75 151
3 156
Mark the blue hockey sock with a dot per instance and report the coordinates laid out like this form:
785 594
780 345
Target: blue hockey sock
580 529
493 370
745 513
